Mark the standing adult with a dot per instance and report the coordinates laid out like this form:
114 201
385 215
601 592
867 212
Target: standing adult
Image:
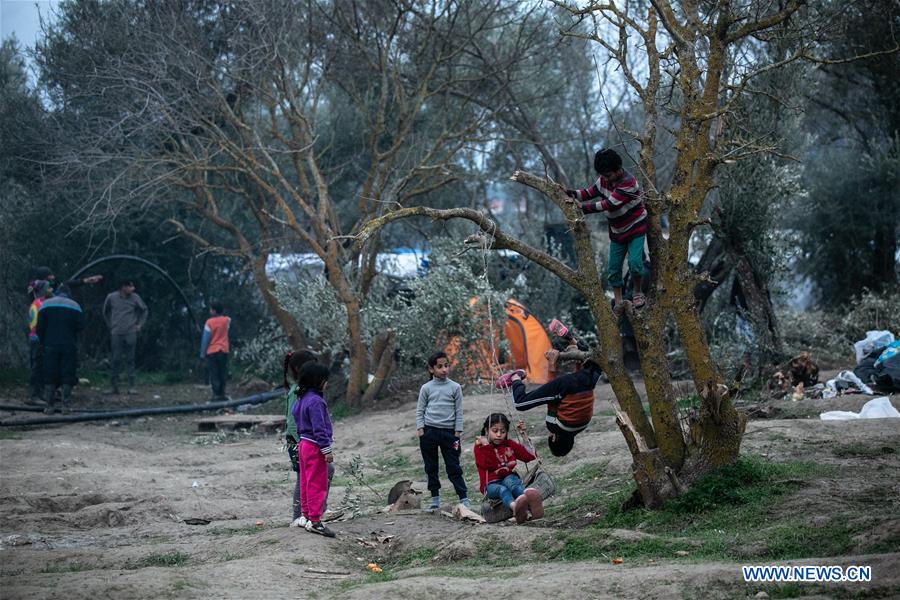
40 287
214 349
41 290
59 322
125 314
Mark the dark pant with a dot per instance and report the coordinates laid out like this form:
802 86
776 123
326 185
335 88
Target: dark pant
217 365
59 365
431 440
36 364
555 389
123 350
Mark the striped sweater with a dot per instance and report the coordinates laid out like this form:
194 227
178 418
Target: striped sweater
622 204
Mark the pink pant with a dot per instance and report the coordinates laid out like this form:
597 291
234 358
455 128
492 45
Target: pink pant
313 480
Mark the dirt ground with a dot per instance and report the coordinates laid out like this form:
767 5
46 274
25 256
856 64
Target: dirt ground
97 510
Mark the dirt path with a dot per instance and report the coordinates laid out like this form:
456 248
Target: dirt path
97 510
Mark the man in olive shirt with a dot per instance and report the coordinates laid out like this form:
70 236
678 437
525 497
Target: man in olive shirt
125 313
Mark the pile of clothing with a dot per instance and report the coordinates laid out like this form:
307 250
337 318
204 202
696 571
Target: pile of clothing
878 360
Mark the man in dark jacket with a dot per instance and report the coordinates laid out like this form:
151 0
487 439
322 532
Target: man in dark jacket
60 321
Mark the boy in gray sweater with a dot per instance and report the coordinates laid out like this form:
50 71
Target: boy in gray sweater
439 423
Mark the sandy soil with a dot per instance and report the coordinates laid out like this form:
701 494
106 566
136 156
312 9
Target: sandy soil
97 510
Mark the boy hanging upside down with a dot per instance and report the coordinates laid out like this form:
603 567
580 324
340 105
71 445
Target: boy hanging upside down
569 398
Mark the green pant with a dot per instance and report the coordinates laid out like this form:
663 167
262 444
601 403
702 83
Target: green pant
635 250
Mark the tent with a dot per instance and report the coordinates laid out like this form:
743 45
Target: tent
528 341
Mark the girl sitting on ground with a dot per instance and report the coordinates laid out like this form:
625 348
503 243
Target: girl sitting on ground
495 457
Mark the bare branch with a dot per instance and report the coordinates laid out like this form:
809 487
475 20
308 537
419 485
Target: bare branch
498 239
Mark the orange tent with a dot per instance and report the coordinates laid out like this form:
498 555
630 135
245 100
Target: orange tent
528 341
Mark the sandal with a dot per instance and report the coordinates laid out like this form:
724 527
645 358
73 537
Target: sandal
319 527
557 328
505 380
619 309
638 301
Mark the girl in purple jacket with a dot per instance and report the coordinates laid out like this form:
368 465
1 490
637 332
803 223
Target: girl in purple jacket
314 432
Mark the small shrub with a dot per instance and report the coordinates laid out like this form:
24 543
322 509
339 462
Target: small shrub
176 558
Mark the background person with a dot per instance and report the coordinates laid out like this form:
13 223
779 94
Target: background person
125 314
214 348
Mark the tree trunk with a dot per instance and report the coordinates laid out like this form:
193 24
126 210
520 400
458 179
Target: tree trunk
359 356
716 262
383 348
758 303
286 320
715 434
657 381
884 256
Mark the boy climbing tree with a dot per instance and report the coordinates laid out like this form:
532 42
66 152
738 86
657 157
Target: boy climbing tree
617 194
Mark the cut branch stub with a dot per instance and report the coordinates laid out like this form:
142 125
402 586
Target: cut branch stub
648 468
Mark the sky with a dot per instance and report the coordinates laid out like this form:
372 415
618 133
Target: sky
22 18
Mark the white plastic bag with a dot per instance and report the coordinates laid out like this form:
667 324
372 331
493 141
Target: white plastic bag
850 377
877 408
873 341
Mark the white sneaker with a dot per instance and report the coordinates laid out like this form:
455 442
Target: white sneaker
299 522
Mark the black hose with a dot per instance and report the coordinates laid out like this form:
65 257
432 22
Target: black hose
139 412
156 267
20 408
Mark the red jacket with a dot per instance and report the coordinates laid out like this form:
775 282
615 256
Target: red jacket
496 461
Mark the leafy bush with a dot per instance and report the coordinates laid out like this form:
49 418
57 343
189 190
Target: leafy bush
830 334
425 313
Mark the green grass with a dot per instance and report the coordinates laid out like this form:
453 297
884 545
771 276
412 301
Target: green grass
490 552
573 545
583 474
788 590
175 558
472 571
340 410
730 514
68 568
393 462
800 540
415 557
349 584
229 556
737 491
183 584
862 451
